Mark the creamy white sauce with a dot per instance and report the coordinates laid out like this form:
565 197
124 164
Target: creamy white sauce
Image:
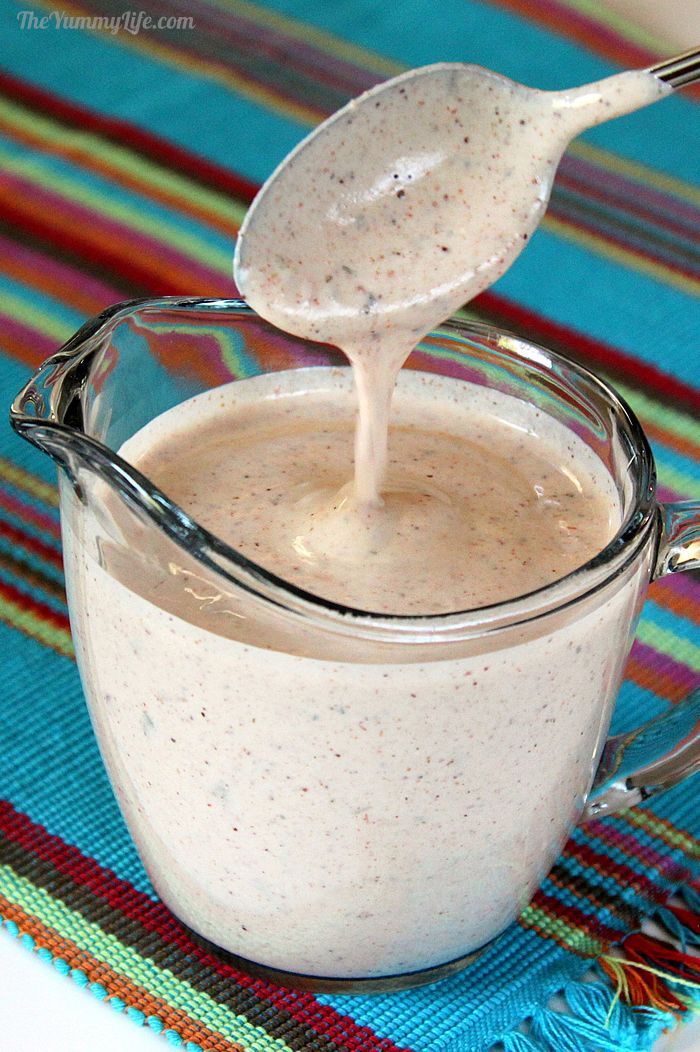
405 205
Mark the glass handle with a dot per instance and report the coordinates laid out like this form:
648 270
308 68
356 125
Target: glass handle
643 762
664 751
679 545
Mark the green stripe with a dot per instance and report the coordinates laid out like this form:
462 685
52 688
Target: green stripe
26 311
681 424
126 961
637 816
129 215
123 160
56 638
676 480
577 939
28 483
667 642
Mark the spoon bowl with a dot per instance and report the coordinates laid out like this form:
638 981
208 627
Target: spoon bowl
411 200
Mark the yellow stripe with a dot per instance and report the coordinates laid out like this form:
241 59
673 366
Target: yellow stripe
678 481
667 642
29 483
49 133
126 961
310 34
635 170
21 310
129 215
681 424
577 939
598 12
28 623
661 828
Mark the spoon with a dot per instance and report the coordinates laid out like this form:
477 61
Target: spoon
415 197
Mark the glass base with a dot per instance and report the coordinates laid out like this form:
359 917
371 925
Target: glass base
318 984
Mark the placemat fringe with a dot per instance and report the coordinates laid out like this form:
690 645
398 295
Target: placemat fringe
591 1016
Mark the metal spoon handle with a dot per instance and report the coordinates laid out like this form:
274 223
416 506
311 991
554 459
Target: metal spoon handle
678 71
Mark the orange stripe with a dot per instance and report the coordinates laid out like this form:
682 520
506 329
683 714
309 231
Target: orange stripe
85 159
115 984
654 680
687 446
110 244
30 350
71 294
664 596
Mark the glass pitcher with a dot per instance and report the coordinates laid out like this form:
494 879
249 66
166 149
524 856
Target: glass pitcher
342 800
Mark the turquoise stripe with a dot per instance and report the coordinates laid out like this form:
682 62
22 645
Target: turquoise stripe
113 193
666 457
119 82
55 604
417 32
57 714
671 621
635 705
28 527
41 303
34 561
576 287
250 139
19 494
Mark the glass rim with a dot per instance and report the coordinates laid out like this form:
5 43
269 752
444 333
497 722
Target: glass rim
39 413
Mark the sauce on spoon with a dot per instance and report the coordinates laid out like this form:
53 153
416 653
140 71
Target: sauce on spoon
405 205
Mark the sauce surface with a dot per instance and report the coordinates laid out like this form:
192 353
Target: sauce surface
485 497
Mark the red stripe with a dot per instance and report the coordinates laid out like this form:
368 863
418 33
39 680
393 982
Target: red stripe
588 922
84 292
623 874
155 269
78 225
31 544
23 510
24 343
141 278
628 203
33 606
590 350
633 841
128 135
564 214
677 671
154 917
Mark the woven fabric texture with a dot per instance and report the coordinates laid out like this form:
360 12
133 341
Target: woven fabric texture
127 160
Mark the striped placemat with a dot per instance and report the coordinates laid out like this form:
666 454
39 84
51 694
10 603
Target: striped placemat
127 159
